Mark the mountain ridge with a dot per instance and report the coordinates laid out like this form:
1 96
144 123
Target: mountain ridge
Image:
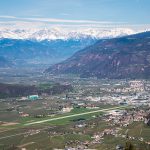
49 46
124 57
63 34
44 52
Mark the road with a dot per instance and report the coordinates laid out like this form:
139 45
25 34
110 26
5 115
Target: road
74 115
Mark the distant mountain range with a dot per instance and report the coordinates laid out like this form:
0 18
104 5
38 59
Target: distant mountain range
63 34
124 57
25 52
49 46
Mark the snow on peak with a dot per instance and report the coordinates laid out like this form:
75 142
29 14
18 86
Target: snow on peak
59 33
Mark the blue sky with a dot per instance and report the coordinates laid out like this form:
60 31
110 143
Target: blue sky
135 12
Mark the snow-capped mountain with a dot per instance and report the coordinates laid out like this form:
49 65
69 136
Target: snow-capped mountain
23 52
49 46
63 34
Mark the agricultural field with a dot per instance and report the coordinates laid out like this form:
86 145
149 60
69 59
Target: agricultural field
24 132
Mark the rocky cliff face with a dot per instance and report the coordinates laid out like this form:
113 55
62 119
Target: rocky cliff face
125 57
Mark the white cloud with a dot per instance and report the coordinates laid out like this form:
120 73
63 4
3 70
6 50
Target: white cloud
56 20
8 17
39 22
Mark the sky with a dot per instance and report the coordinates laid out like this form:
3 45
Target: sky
75 13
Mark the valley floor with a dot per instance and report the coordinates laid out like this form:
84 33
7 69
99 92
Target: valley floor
96 114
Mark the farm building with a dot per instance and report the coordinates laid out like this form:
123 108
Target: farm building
33 97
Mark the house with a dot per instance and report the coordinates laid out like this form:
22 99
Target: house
67 109
24 115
